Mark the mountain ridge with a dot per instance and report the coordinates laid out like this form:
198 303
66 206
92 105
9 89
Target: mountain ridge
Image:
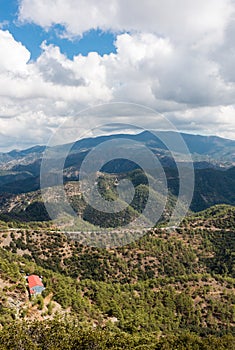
196 143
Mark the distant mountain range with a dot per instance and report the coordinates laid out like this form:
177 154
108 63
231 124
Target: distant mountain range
214 160
206 149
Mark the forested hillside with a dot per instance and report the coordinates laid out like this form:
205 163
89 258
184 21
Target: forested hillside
169 281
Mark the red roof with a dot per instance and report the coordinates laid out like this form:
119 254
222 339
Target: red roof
34 281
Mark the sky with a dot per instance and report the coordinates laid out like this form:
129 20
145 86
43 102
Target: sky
58 57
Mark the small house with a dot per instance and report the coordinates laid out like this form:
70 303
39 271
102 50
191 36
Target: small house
35 285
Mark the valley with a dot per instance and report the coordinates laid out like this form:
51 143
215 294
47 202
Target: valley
160 287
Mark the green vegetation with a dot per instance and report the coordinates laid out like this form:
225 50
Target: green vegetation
169 289
57 335
134 297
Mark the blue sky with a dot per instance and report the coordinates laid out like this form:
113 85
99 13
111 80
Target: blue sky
32 35
59 57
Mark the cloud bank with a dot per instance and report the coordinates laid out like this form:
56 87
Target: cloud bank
175 59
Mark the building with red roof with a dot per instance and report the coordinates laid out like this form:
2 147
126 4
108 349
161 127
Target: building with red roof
35 285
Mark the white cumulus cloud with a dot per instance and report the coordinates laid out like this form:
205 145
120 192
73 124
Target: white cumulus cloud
13 55
176 57
183 20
